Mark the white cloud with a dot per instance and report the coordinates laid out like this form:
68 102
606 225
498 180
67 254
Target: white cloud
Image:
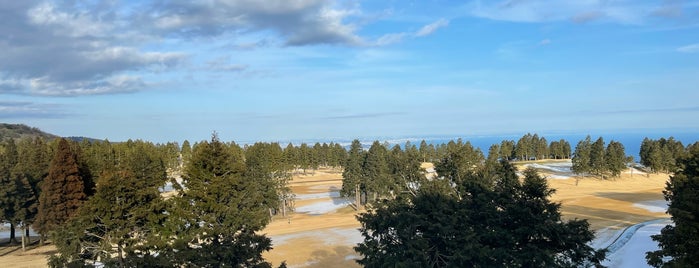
693 48
545 42
432 27
426 30
300 22
623 12
389 39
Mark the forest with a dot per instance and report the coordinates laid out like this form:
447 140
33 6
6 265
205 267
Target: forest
100 202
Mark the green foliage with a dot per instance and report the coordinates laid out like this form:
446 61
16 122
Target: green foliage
482 223
660 155
352 174
21 131
679 242
121 223
593 158
215 221
615 158
459 162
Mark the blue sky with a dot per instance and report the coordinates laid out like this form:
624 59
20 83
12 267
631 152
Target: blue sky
322 69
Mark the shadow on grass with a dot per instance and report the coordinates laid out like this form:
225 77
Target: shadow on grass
594 215
341 256
631 197
7 248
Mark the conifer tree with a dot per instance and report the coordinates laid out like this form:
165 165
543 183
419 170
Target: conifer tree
615 158
376 170
63 191
8 186
678 241
481 223
597 162
581 157
217 219
352 176
121 225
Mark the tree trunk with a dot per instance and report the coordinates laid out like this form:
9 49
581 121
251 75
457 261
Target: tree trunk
13 239
357 200
284 208
24 237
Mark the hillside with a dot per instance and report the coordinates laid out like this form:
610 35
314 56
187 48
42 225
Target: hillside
19 131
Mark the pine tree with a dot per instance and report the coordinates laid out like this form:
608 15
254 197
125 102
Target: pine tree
8 186
678 241
217 219
597 161
581 158
615 158
352 175
121 225
63 191
481 223
507 148
376 171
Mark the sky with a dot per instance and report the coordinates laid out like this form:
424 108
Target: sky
324 69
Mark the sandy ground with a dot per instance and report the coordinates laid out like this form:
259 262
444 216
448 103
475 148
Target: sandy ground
323 231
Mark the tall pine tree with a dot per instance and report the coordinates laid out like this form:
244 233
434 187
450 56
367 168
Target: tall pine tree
63 191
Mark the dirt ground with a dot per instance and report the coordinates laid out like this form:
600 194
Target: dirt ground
326 239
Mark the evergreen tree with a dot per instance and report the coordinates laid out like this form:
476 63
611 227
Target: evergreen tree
217 219
121 225
678 242
597 161
64 190
352 175
264 162
424 153
376 170
615 158
581 157
507 149
460 161
565 145
8 185
186 152
485 223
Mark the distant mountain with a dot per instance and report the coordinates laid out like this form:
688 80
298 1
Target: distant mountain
19 131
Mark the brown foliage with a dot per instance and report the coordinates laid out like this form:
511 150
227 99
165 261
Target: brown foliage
63 191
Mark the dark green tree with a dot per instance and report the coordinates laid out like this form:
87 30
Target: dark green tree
64 190
615 158
216 220
678 242
121 225
375 171
581 158
507 149
8 185
352 175
597 162
483 223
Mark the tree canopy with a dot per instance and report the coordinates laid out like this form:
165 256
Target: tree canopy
499 222
679 242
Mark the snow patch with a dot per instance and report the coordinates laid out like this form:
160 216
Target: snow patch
323 207
658 206
629 250
317 195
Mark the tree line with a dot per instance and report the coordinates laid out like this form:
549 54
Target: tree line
528 147
475 212
100 202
